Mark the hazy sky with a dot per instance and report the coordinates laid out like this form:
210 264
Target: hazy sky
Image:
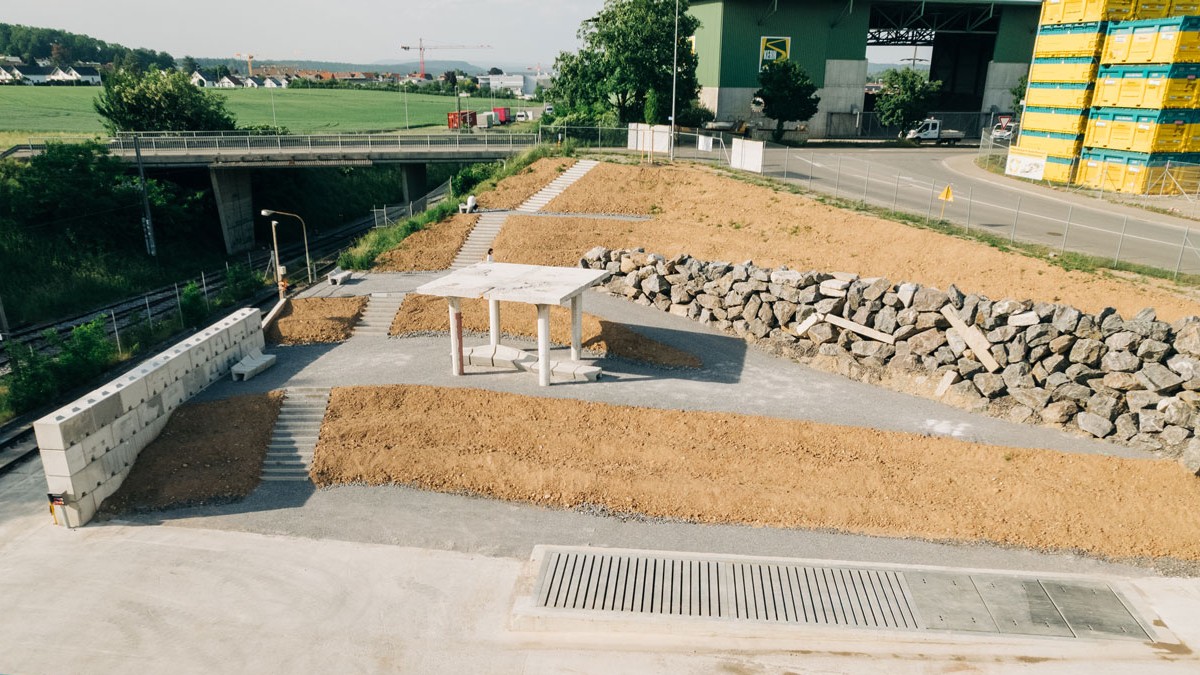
521 32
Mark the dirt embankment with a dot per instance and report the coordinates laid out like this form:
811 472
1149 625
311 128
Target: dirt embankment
313 320
514 190
712 217
725 468
208 453
421 313
432 248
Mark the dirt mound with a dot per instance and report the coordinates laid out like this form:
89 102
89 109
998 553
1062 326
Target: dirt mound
512 191
312 320
432 248
420 313
725 468
208 452
711 217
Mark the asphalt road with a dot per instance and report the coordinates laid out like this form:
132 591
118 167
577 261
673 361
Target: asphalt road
912 180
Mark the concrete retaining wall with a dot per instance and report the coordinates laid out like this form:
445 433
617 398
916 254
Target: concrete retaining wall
89 446
1133 381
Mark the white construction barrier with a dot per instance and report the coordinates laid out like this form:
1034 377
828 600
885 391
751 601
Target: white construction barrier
747 155
89 446
649 138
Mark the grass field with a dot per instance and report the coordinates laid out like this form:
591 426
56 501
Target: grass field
42 111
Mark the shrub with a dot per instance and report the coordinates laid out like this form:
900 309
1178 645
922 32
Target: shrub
193 306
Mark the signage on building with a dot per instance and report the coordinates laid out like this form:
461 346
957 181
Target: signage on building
773 49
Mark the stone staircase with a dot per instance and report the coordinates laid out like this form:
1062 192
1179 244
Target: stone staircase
557 186
377 318
290 451
476 246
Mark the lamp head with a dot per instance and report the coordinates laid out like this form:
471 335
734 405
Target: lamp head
268 212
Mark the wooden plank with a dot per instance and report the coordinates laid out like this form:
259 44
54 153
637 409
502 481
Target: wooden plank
860 329
812 320
974 339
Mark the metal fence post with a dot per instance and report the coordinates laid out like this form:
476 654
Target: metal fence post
204 285
149 314
786 153
116 330
1067 231
1016 216
179 305
896 194
812 163
866 183
838 182
1121 241
929 211
970 202
1182 247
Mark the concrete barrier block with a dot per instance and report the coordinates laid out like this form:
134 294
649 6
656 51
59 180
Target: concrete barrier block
127 453
255 340
63 463
49 434
173 396
64 427
58 485
113 461
104 491
134 390
196 380
202 351
105 405
158 376
126 426
221 340
179 362
99 443
151 410
237 329
153 429
80 510
87 480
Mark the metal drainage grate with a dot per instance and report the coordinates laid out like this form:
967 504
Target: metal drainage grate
649 584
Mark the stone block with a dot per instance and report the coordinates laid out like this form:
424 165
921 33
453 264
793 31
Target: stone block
80 510
1120 362
158 376
105 406
63 463
1024 319
126 426
1176 412
1094 424
1072 391
1127 427
1190 459
1153 350
1087 352
1034 398
99 443
1122 381
1174 436
927 342
1156 377
1187 340
1105 405
1151 421
1059 412
1018 375
1065 319
989 384
133 390
1123 341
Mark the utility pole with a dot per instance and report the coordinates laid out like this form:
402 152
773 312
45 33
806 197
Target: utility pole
674 80
147 223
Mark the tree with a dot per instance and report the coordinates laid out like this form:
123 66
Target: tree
495 71
1018 93
788 94
451 78
189 65
160 101
628 51
220 70
907 97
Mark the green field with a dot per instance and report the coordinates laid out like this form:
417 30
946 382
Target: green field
34 111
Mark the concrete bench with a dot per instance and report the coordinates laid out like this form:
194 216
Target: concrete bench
338 276
254 363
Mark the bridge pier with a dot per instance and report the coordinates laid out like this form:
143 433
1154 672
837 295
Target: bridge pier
414 181
233 192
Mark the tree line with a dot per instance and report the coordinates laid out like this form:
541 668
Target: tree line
63 49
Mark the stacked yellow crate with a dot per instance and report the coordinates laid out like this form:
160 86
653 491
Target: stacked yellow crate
1145 120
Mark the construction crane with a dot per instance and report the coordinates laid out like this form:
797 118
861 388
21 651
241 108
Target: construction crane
249 64
421 47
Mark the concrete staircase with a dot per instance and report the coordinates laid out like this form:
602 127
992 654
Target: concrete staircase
290 451
377 317
557 186
476 246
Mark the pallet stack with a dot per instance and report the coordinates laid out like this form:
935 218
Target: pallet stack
1114 94
1066 56
1143 132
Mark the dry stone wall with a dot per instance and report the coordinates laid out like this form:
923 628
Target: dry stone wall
1134 381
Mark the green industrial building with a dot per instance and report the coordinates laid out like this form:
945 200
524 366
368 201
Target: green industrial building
980 51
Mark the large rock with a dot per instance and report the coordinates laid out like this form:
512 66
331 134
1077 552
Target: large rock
1157 377
1187 340
925 343
1127 427
1088 352
1184 366
1122 381
1072 391
1094 424
1123 340
1018 376
1176 412
1040 334
1140 398
885 320
1062 344
1065 319
1024 319
1120 362
1191 457
989 384
1173 437
1002 334
1059 412
1106 405
821 333
1153 350
969 368
1034 398
1151 422
929 299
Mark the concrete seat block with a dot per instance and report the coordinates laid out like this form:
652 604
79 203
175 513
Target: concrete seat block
589 373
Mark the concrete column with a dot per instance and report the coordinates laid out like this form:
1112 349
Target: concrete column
494 322
414 182
543 338
231 187
997 90
577 327
456 345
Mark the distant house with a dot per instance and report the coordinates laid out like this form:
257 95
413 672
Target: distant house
45 63
32 74
230 82
275 83
6 76
252 82
11 60
204 78
513 83
85 74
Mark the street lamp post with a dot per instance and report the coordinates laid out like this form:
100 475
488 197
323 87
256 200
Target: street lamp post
278 270
304 227
674 78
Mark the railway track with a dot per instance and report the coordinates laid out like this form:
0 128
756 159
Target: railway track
17 442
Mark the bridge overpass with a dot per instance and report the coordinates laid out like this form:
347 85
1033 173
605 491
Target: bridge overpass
230 157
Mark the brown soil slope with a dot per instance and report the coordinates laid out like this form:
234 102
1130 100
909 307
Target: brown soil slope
421 313
208 452
312 320
724 468
432 248
711 217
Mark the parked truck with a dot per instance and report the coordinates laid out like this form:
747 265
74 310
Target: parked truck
930 129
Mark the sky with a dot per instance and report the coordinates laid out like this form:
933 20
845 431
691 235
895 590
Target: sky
520 32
